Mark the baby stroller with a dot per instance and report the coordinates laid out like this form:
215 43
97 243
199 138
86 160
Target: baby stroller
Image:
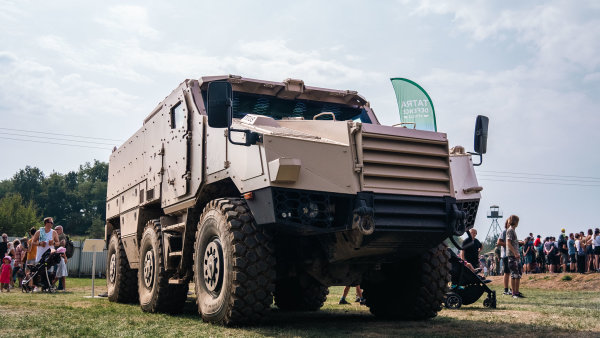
39 273
467 286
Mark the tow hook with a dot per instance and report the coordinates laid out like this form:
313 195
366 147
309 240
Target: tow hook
362 219
457 221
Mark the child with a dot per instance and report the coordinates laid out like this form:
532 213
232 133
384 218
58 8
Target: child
5 274
61 271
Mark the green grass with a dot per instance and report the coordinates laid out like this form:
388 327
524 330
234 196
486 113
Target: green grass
543 312
566 278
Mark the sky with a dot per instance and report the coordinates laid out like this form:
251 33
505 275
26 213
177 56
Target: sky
77 78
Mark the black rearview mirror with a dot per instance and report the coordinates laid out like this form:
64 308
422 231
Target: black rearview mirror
481 134
219 108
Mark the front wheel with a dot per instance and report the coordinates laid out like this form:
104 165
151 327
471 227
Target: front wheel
412 289
233 265
453 301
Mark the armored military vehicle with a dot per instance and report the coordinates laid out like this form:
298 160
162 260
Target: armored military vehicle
258 191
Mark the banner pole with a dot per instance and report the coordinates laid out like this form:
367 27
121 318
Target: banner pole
93 272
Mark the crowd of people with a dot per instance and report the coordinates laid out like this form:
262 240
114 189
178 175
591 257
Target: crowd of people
19 254
577 252
574 253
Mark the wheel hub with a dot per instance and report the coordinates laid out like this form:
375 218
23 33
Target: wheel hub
213 265
149 269
112 268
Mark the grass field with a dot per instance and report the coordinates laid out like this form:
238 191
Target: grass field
544 312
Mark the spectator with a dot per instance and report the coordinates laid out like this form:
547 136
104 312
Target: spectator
572 253
4 245
18 264
580 252
5 274
471 248
61 270
45 238
589 252
597 249
538 241
359 297
540 260
564 251
556 255
512 251
504 258
549 252
11 253
62 237
62 242
529 253
31 254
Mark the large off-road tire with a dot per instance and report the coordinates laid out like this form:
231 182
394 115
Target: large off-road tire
413 289
233 265
121 281
155 292
300 293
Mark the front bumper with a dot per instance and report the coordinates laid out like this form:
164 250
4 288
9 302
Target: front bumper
305 212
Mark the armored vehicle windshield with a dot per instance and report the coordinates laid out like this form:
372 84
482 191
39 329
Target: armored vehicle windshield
277 108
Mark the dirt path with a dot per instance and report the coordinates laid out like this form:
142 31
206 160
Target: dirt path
558 281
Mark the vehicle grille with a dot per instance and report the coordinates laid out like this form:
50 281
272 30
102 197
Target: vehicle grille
401 165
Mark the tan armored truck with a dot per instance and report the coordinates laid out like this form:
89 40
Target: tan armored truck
258 191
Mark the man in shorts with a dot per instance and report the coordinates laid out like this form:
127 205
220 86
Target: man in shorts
504 259
549 251
572 253
564 251
514 257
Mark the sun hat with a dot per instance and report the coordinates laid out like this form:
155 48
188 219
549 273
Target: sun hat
7 257
61 250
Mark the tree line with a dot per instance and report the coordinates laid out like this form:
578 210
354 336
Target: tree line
76 200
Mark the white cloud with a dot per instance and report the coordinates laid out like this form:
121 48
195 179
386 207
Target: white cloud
9 11
31 89
129 19
555 29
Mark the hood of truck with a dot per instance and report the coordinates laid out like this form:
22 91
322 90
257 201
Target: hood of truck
349 157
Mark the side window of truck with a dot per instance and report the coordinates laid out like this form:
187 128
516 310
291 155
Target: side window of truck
177 116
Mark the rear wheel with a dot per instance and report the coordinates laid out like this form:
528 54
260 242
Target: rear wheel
301 293
155 292
413 289
121 281
233 265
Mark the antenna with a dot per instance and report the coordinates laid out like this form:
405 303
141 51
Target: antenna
495 229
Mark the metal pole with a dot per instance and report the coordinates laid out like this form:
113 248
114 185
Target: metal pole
80 259
93 272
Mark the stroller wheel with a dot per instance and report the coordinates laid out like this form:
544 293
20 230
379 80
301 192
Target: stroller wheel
453 301
487 302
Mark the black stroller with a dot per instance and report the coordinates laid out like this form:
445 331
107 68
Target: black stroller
39 273
466 287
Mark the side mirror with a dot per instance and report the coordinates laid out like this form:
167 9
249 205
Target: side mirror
481 134
220 104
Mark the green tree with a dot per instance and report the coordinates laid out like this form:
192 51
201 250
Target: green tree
28 183
17 216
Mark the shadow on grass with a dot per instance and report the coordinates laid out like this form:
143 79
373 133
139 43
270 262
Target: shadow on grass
336 322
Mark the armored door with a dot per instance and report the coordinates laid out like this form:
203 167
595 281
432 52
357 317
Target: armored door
175 152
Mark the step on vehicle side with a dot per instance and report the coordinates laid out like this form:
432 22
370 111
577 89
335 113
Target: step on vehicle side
258 190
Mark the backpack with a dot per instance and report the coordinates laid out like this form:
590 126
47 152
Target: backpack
70 248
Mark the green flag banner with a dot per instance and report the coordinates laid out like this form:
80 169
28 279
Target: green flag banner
414 104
